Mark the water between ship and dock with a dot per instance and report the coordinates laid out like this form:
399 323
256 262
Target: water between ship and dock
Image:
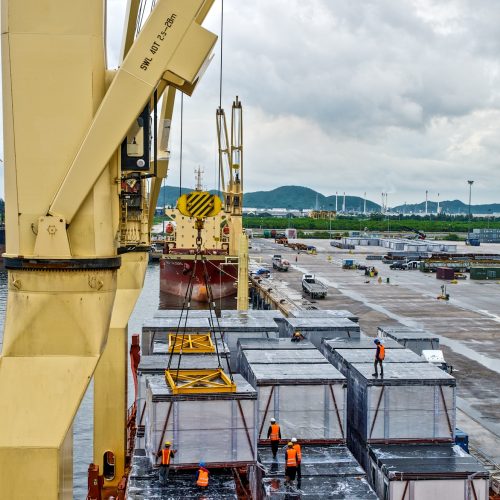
150 300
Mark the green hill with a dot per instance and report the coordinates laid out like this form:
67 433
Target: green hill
300 198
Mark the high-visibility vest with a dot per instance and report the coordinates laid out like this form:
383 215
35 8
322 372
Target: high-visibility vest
381 354
297 448
202 478
165 456
275 432
291 457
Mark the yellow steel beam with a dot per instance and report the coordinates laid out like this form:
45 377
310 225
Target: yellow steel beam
165 119
171 40
130 26
199 381
194 343
242 298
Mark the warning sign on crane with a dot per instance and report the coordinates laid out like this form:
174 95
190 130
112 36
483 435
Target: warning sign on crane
199 204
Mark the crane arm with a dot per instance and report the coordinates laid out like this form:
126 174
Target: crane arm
171 42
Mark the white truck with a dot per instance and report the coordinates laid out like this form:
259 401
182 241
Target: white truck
279 263
313 287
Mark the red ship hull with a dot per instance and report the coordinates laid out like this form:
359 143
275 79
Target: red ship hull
176 270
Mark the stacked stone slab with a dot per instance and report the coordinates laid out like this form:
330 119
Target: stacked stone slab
217 428
248 327
324 313
328 471
298 387
317 329
157 329
413 338
412 403
426 471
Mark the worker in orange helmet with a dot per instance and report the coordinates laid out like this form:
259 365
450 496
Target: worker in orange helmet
202 476
274 435
379 358
298 449
290 463
167 454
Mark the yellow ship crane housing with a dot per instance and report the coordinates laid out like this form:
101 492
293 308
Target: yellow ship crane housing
78 167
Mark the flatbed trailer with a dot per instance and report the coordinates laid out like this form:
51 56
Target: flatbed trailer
316 289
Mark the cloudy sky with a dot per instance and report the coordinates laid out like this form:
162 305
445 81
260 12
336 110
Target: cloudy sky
351 95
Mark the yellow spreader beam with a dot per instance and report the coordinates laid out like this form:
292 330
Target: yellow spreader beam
199 381
192 343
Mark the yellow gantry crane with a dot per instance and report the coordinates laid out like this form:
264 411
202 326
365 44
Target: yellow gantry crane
78 161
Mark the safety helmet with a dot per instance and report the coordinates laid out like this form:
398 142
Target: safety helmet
202 464
290 443
377 341
273 420
294 440
168 443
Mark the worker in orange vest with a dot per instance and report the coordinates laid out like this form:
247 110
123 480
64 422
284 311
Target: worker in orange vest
202 476
290 463
166 457
298 449
379 358
274 434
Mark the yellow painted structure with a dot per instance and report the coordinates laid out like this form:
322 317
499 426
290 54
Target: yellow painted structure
70 293
194 343
242 298
199 381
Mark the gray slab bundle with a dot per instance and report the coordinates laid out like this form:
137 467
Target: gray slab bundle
343 359
235 329
157 330
252 313
274 344
327 472
308 400
316 329
363 342
217 428
412 338
143 483
426 471
176 313
322 313
413 402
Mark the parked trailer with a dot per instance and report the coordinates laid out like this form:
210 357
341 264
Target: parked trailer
316 289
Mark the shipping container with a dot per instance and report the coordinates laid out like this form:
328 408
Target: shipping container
291 233
445 273
484 273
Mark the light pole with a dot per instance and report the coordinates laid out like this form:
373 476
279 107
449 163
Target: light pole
470 198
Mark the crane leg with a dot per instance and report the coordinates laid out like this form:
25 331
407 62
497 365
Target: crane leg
110 378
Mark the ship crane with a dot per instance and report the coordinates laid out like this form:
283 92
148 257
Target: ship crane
231 158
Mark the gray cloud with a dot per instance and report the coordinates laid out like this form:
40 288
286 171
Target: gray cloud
373 95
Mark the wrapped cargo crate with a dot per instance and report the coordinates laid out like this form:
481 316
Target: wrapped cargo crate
426 471
217 428
246 328
363 342
324 313
413 338
308 400
316 329
157 329
343 359
413 402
